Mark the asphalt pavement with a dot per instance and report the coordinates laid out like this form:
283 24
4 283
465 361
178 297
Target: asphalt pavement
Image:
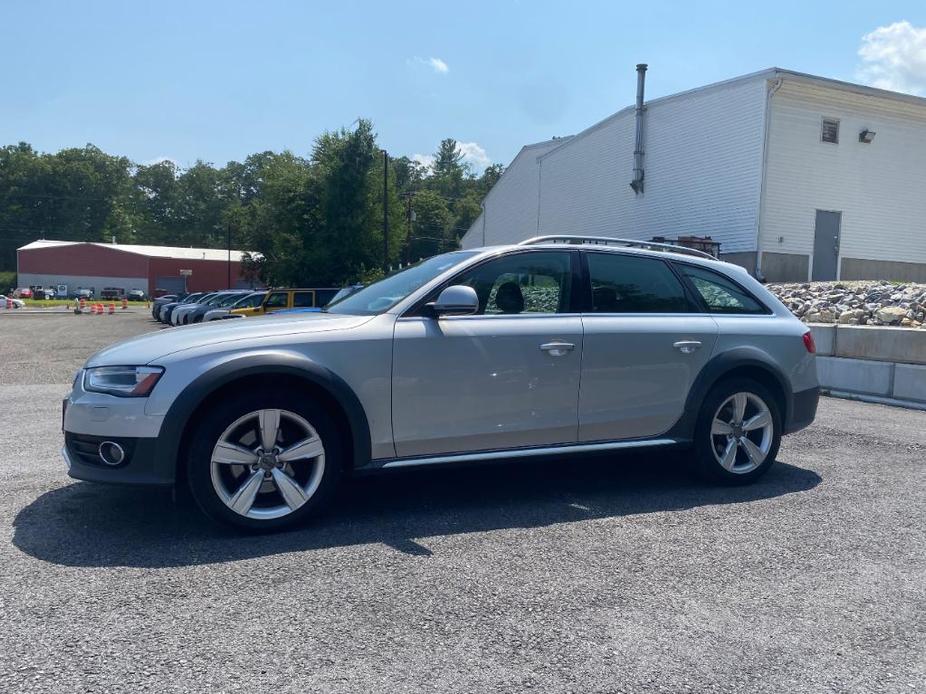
608 574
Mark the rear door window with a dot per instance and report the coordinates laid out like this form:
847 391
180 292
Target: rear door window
720 294
303 299
634 284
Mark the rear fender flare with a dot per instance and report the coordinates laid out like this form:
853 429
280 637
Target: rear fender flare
716 369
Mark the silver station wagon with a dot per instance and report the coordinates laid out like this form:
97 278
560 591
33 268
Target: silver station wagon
559 345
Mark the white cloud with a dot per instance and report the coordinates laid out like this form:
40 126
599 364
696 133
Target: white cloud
894 57
423 159
436 64
474 155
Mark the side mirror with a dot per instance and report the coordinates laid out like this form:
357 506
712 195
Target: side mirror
457 300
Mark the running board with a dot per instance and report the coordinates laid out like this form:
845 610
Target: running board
527 452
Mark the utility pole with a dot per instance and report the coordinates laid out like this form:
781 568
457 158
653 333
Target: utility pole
385 211
409 218
228 246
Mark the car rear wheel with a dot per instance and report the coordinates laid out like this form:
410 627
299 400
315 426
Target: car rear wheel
738 432
264 461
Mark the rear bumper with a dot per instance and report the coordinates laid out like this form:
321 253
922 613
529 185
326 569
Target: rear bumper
803 409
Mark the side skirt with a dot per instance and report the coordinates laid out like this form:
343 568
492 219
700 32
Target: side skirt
515 453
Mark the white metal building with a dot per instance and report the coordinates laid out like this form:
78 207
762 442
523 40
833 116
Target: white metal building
798 177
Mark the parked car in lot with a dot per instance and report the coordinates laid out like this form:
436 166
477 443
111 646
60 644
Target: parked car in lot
86 293
159 303
283 298
166 314
14 303
43 293
180 317
22 293
249 300
221 300
469 356
136 295
112 293
346 291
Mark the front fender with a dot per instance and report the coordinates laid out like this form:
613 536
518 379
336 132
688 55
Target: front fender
298 367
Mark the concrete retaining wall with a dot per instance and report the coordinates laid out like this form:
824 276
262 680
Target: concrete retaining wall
785 267
872 361
859 269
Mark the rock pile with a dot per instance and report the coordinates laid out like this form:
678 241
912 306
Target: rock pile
855 303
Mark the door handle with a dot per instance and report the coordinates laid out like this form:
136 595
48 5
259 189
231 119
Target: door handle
557 349
687 346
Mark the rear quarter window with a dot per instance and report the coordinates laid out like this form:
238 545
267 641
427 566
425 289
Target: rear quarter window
720 294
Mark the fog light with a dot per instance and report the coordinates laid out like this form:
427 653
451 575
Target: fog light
111 453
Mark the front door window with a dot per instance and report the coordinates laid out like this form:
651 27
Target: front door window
276 300
523 283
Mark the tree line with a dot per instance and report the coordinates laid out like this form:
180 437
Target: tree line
311 221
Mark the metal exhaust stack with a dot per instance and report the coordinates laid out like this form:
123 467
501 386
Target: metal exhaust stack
637 182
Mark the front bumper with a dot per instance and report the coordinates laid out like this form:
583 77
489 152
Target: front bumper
90 418
143 465
803 409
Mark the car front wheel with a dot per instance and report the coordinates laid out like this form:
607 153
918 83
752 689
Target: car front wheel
264 461
738 432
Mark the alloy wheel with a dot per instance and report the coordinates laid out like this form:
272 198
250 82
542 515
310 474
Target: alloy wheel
267 464
742 432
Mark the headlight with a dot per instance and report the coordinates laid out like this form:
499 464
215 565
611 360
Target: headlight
124 381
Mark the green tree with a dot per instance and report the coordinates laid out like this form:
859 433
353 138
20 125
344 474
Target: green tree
409 174
431 231
489 178
320 222
76 194
276 224
448 169
316 220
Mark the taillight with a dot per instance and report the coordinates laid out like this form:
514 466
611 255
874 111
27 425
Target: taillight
809 343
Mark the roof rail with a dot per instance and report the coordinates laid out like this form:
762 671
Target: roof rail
608 240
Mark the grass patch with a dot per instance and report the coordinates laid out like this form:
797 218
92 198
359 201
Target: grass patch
58 303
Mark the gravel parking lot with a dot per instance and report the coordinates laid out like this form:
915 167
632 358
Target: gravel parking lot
594 575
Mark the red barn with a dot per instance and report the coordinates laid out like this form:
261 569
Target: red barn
154 269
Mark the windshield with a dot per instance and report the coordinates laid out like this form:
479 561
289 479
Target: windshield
345 292
212 300
383 295
224 300
192 298
250 301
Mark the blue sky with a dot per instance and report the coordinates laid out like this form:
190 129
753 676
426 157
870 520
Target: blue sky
219 80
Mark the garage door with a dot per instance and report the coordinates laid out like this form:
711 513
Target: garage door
171 284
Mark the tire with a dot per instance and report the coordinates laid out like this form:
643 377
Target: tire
721 454
246 489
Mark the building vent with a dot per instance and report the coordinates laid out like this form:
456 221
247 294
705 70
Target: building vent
637 182
830 131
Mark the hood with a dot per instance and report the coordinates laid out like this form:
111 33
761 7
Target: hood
145 349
